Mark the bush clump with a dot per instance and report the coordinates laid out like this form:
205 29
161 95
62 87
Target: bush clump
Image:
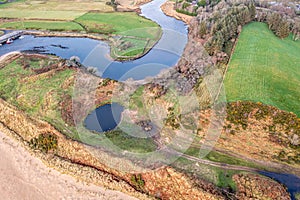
44 142
137 181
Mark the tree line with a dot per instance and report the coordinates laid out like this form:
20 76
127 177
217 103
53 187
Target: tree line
225 29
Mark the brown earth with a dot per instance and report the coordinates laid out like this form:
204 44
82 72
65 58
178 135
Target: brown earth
130 5
173 185
262 141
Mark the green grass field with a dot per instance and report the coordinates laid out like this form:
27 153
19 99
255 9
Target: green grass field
27 93
43 25
265 69
137 34
118 23
51 9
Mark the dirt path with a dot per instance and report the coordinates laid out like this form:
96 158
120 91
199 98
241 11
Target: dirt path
25 177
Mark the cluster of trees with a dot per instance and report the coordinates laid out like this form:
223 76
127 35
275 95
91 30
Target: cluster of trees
112 3
278 24
186 7
227 28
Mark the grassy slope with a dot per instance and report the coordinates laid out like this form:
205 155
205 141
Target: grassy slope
30 93
265 69
40 96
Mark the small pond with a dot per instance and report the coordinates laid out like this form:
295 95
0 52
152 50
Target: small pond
104 118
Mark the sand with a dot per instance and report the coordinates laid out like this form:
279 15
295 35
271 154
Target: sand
25 177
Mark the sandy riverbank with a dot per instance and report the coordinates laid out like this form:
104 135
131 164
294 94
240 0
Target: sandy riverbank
130 5
168 9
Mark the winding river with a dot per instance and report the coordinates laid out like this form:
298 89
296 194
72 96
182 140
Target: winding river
165 54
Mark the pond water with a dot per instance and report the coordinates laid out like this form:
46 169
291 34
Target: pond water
104 118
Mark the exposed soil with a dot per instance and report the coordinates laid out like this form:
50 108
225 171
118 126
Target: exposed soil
130 5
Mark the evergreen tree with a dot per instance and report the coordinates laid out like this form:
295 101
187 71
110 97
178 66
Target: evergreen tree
296 31
202 29
283 29
274 21
252 10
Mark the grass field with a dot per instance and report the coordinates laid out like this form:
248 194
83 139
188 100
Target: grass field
137 34
29 93
265 69
51 9
118 22
43 25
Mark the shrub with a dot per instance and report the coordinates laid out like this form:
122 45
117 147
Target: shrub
201 3
44 142
186 12
172 119
137 181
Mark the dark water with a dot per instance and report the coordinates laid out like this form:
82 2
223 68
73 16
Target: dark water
104 118
165 54
291 181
